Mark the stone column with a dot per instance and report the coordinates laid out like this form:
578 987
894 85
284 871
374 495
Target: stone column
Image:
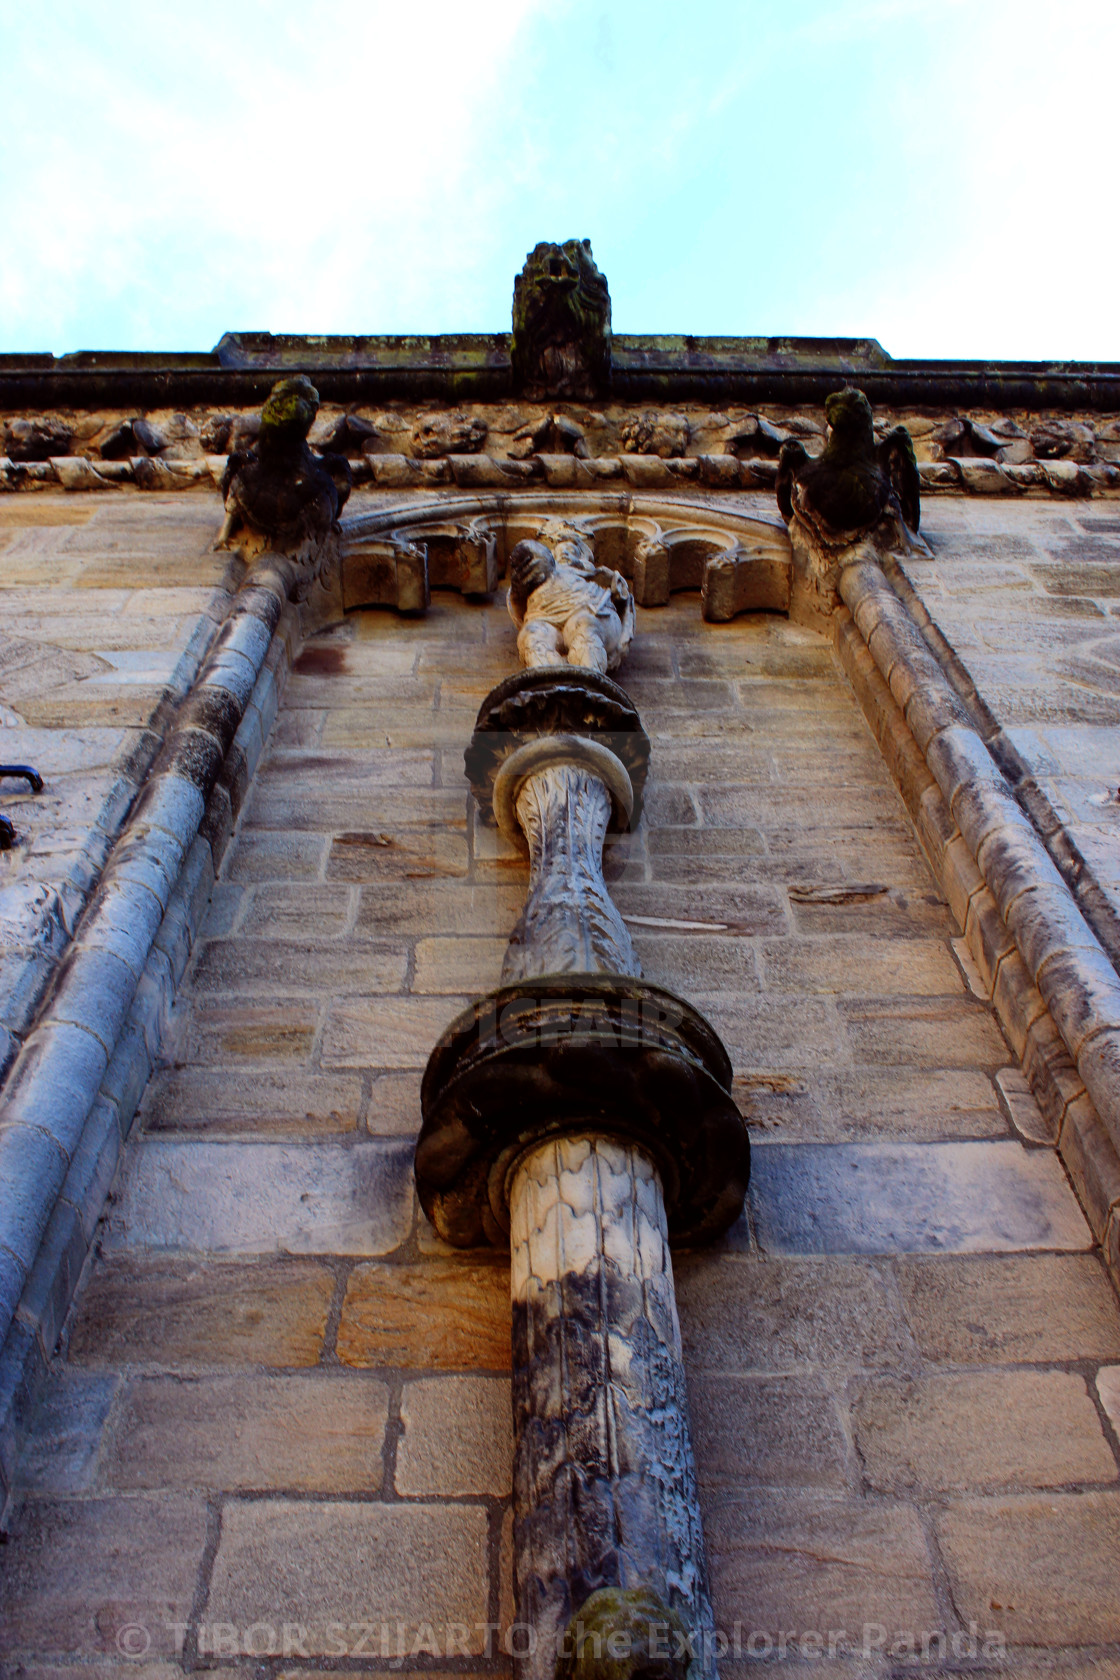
584 1116
606 1517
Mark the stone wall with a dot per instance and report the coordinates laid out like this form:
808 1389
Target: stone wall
279 1399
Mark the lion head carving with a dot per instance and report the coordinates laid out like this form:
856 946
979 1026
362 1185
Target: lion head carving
561 344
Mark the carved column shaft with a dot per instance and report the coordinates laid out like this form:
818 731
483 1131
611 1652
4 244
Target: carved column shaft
569 924
604 1482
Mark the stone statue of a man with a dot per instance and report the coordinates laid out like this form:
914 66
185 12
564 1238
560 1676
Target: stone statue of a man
567 609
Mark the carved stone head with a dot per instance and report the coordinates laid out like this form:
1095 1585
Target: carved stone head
561 343
289 413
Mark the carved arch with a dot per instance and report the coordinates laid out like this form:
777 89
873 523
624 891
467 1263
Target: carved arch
394 556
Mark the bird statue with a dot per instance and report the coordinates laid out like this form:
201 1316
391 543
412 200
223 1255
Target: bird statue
279 489
855 483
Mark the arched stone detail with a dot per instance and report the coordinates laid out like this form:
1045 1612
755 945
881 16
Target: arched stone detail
395 556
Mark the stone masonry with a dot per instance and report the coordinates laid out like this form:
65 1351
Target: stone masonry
275 1436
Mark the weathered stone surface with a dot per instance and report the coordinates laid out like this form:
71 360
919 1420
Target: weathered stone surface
782 1561
910 1198
259 1198
1008 1309
457 1439
1042 1567
309 1434
984 1431
194 1099
78 1572
740 1314
176 1315
436 1315
386 1032
61 1455
325 1563
754 1431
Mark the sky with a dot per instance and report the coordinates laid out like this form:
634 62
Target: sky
936 174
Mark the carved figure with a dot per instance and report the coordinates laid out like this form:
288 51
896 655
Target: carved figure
857 499
279 490
844 492
567 609
561 343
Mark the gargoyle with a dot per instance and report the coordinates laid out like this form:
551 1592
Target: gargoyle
843 493
278 490
561 344
856 499
567 609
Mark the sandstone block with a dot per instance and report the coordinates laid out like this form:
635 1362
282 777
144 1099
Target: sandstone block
300 912
982 1431
261 1198
1042 1567
394 1105
912 1198
308 1434
386 1032
260 855
1007 1309
804 1562
79 1571
747 1314
242 966
330 1563
458 965
943 1032
457 1439
193 1099
751 1431
60 1455
440 1314
182 1315
224 1032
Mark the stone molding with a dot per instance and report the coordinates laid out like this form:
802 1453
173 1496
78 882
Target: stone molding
739 559
72 1091
1052 985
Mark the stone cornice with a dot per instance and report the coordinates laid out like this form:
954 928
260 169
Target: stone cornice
475 367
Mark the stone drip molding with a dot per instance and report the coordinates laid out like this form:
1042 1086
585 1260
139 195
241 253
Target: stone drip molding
71 1095
72 1091
583 1115
1050 981
564 446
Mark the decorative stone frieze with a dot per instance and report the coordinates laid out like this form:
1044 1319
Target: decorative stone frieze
740 560
401 568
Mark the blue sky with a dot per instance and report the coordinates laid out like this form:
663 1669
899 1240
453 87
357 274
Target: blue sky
938 174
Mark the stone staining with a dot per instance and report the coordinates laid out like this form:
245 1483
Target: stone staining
857 500
278 493
584 1112
604 1480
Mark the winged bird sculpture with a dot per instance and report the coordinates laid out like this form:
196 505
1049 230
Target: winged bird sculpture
846 491
279 490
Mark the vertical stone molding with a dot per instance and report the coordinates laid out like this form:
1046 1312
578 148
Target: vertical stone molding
604 1482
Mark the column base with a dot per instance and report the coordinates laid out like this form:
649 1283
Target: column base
575 1052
